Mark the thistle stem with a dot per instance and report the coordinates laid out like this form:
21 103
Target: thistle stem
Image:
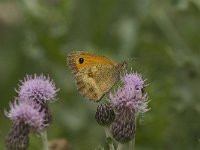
109 139
120 146
132 144
44 140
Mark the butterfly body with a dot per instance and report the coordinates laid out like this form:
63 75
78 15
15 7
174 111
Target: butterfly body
95 75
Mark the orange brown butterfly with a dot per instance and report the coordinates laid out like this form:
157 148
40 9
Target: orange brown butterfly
94 75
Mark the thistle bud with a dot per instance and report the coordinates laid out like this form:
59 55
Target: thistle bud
104 114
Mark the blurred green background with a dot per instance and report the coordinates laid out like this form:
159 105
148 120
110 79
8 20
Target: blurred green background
159 39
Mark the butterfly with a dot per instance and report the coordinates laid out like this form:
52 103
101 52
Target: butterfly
94 75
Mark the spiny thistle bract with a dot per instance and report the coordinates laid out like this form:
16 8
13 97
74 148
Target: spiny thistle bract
18 137
123 129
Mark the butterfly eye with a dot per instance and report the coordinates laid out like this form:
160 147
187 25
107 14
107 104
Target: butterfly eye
81 60
90 74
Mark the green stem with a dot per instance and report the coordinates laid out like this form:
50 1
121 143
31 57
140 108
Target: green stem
109 139
44 140
132 144
120 146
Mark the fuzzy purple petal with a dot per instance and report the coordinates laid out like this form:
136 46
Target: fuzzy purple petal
37 88
133 79
24 112
130 95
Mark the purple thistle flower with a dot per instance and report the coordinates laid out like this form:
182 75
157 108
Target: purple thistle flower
128 100
39 88
130 95
30 110
31 115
